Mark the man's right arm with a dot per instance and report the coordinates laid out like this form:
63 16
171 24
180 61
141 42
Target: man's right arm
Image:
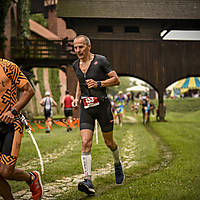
42 102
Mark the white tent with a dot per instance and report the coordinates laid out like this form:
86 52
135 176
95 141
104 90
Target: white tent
138 88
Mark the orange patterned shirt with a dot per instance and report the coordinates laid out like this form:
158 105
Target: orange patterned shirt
11 78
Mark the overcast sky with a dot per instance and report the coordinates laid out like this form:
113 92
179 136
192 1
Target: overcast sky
182 35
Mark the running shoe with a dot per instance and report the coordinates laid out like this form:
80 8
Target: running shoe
87 187
119 175
47 130
36 186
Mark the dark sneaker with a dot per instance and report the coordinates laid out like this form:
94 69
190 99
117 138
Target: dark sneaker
87 187
47 130
119 175
36 186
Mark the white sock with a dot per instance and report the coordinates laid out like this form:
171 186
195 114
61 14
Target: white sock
86 163
116 156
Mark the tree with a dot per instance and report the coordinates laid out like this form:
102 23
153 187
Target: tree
4 6
125 82
23 18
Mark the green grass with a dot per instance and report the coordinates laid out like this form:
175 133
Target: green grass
165 155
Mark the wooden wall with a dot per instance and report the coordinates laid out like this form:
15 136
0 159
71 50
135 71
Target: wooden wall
159 63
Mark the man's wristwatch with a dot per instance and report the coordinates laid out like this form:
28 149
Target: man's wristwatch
14 112
98 84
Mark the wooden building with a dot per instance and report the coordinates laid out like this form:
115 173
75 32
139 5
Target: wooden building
129 34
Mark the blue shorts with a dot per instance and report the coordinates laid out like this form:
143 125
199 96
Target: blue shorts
120 109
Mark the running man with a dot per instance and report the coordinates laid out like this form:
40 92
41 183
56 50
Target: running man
120 102
94 74
11 129
67 102
145 108
47 102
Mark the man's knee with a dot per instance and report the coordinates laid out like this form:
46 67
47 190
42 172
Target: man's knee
86 143
6 171
110 144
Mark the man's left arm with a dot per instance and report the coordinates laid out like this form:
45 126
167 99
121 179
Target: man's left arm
26 94
54 103
111 81
62 102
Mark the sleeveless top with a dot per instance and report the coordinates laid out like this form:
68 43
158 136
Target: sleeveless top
48 103
68 102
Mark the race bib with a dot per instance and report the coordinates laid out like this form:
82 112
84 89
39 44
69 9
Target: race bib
89 102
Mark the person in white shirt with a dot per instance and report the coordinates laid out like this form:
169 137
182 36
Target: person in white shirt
47 102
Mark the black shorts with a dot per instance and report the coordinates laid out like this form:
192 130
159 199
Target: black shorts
102 113
68 112
47 114
10 140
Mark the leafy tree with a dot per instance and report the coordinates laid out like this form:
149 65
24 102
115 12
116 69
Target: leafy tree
125 82
39 18
24 15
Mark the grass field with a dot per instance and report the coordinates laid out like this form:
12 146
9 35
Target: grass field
161 160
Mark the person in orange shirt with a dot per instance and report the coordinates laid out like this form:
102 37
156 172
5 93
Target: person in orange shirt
11 129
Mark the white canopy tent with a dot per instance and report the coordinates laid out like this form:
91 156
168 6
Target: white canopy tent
138 88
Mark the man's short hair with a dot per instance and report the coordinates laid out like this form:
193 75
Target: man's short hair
87 40
67 92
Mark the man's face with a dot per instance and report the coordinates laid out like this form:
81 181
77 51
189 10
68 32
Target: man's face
80 48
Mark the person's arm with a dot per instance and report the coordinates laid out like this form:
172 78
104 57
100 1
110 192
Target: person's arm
42 102
72 98
27 93
54 103
77 96
111 81
62 102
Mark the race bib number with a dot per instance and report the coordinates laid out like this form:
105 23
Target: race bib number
89 102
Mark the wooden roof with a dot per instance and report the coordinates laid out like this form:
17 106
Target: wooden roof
42 31
129 9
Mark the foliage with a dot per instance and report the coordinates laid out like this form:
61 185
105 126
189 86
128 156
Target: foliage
182 104
4 6
39 18
54 82
125 82
24 6
35 105
40 75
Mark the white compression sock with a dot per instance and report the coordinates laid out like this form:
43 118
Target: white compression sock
116 156
86 163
